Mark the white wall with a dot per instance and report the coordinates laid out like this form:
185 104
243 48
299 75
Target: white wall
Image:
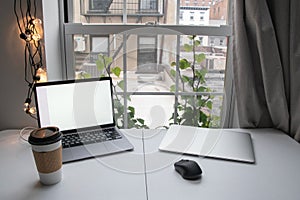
13 88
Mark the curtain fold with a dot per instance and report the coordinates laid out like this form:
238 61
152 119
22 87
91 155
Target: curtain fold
295 70
266 64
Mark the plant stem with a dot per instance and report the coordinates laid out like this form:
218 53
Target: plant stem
194 63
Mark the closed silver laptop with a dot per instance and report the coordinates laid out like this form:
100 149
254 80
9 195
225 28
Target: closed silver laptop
215 143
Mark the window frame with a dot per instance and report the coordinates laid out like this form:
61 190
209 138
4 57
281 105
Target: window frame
70 29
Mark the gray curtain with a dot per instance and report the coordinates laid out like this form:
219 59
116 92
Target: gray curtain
266 59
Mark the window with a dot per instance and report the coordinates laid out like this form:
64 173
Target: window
147 55
221 42
192 16
148 48
100 5
99 44
90 10
181 15
148 4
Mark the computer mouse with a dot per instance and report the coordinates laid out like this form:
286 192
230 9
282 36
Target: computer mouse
188 169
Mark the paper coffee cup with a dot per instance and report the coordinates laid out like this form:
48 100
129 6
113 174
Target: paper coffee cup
47 152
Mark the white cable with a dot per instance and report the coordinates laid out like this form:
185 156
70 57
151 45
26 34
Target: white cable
24 132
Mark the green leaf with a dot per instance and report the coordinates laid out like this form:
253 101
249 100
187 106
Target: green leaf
128 97
201 89
201 75
173 72
204 119
131 111
172 88
121 84
173 64
100 65
200 57
188 48
116 71
108 60
185 78
103 62
209 105
141 121
197 43
184 64
200 102
198 73
180 107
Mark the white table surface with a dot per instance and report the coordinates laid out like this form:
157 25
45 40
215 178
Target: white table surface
275 175
110 177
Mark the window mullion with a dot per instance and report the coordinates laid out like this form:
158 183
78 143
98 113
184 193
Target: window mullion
70 14
124 12
79 28
177 77
125 79
70 73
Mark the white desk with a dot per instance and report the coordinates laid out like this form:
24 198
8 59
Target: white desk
274 176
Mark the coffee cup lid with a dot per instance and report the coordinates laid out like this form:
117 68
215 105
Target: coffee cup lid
44 136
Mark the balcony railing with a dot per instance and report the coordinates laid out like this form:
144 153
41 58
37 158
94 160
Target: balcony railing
116 7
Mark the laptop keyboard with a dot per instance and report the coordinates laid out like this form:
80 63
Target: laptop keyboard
89 137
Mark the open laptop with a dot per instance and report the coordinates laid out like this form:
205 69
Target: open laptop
206 142
83 110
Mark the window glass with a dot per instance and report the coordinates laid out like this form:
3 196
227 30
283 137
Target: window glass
155 110
155 67
213 12
99 44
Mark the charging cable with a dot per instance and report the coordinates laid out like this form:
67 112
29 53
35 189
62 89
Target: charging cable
25 132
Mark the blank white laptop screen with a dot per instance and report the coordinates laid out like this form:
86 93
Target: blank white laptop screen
75 105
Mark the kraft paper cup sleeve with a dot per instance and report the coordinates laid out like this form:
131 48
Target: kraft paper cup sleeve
48 162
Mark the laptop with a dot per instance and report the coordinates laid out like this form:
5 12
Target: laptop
83 110
225 144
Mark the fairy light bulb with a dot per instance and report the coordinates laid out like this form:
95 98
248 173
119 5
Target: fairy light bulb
42 74
32 110
27 102
36 37
37 21
38 29
28 37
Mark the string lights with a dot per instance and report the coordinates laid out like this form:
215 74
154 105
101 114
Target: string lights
31 31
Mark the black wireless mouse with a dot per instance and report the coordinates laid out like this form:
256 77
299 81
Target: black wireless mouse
188 169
